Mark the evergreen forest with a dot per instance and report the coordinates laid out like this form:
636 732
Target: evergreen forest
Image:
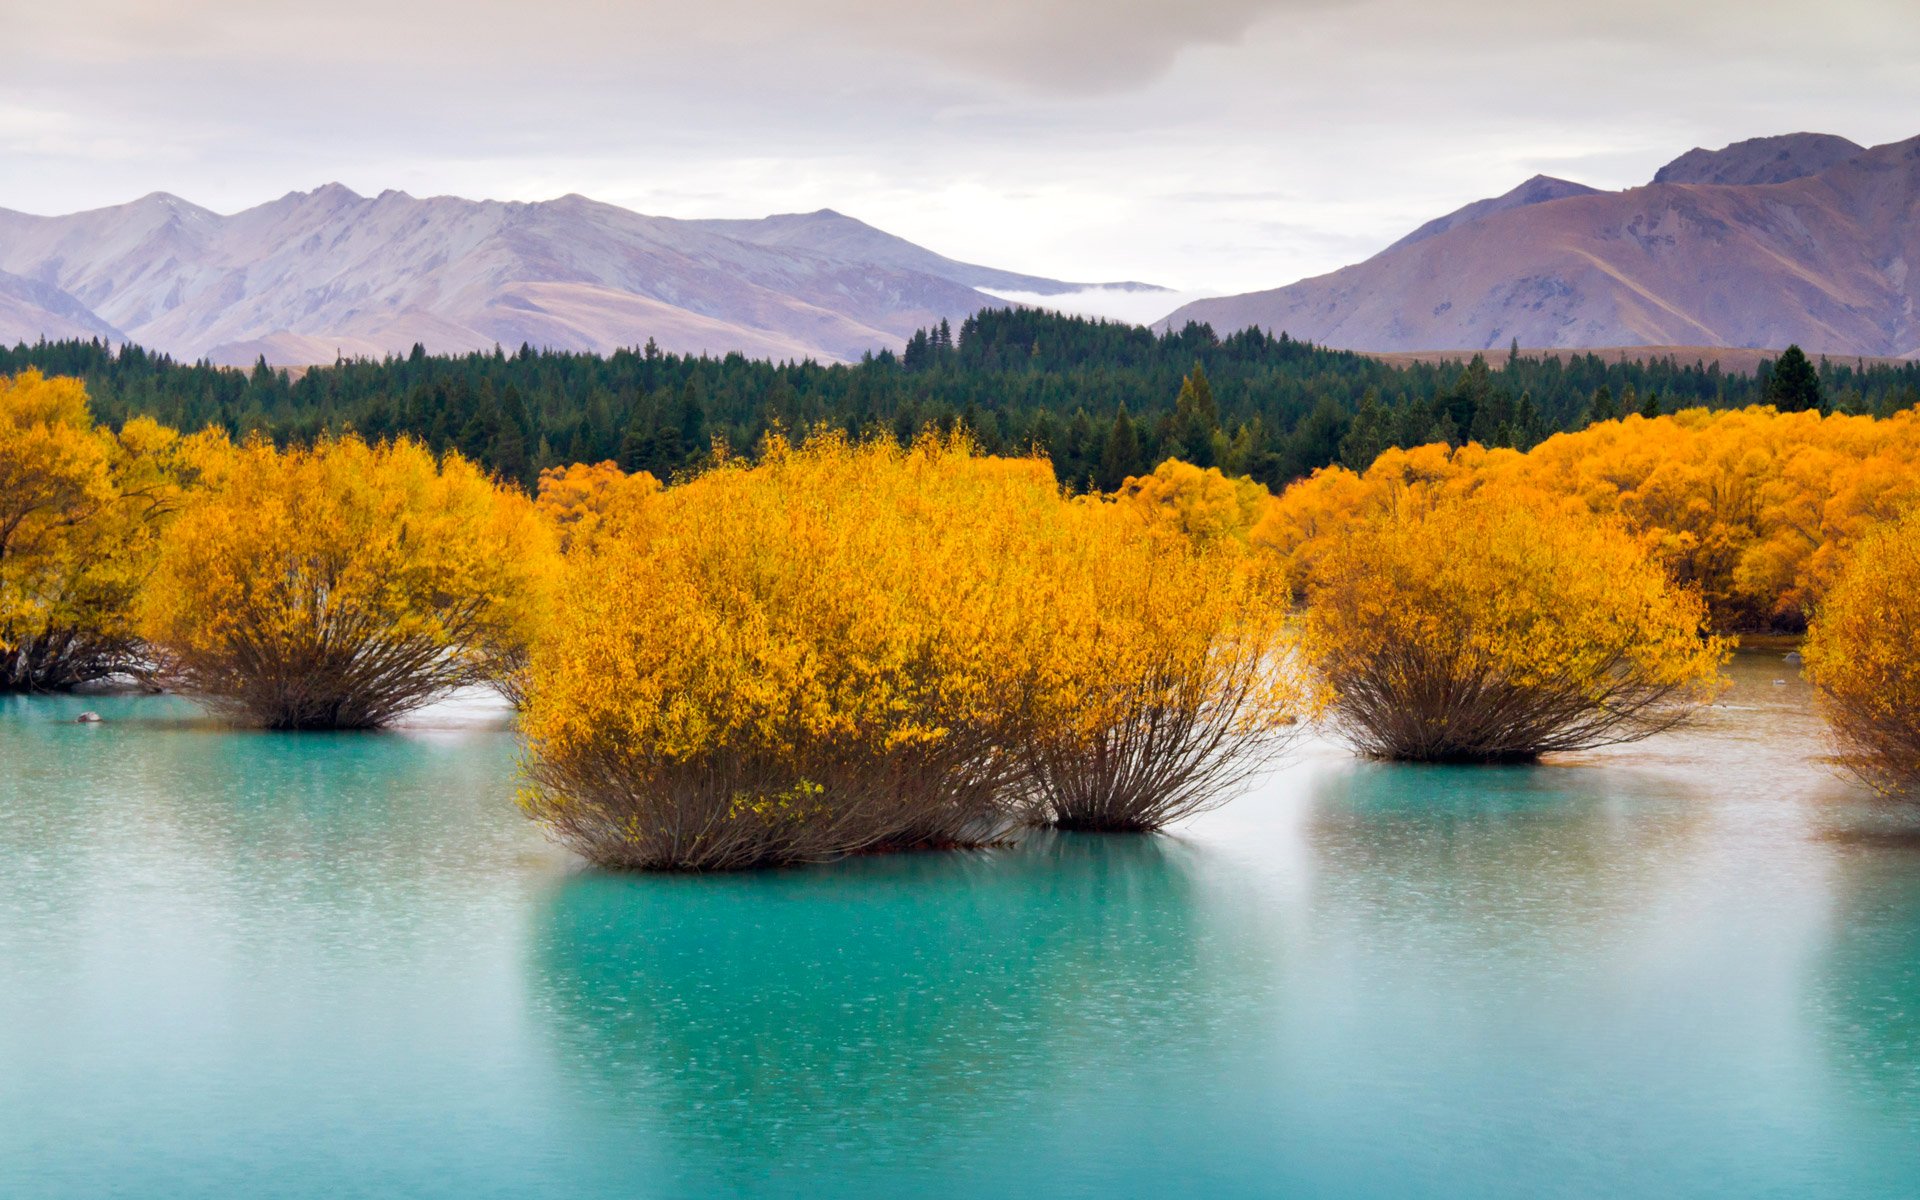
1104 400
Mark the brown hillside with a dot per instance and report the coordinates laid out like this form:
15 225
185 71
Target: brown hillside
1823 261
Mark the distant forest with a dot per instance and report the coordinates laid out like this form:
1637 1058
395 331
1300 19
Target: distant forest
1103 400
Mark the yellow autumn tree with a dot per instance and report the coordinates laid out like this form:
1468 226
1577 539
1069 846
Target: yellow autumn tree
81 511
1498 627
1171 672
1861 657
1754 508
1314 512
1200 502
343 585
823 652
583 502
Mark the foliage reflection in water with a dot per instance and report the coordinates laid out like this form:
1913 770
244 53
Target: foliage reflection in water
306 966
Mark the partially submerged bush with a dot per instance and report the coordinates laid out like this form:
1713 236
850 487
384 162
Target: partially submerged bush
1863 657
81 510
1173 675
1499 627
1755 508
824 653
342 586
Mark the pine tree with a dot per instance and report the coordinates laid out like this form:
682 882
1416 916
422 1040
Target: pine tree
1526 423
919 348
1604 406
638 444
1120 457
692 418
1196 418
1083 451
1793 385
1367 436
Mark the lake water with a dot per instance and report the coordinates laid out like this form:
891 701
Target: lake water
241 964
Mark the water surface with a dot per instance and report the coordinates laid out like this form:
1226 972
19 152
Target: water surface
302 966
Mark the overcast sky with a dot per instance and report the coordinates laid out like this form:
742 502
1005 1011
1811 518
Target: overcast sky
1205 144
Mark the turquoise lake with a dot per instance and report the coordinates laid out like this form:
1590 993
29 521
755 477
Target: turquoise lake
239 964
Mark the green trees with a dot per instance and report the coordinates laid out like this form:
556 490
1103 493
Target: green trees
1793 385
1604 406
1196 419
1121 456
1267 406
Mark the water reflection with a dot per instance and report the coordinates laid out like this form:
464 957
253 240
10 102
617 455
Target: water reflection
244 808
236 963
1865 987
903 1016
1498 865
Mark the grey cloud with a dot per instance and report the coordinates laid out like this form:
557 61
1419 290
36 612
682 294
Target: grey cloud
1233 144
1046 45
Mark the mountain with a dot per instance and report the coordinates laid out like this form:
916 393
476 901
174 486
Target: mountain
1538 190
30 309
1760 160
834 235
316 274
1823 257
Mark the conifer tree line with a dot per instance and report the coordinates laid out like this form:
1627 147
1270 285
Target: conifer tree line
1103 400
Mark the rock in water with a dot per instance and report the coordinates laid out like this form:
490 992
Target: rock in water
88 718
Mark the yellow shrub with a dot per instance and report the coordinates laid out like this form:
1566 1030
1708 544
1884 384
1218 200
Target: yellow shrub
819 654
1171 673
585 502
1498 627
1863 656
344 585
850 647
1199 501
1312 513
81 510
1753 507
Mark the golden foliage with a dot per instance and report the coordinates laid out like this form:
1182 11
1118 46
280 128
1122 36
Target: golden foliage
803 658
343 585
1754 507
1500 626
1861 657
1201 502
81 511
848 647
1171 673
584 502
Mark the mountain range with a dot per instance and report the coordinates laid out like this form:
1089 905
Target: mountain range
318 274
1805 238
